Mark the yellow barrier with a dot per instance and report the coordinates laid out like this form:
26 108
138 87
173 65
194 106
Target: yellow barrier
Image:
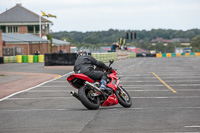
169 55
187 54
9 59
19 58
105 57
30 58
158 55
131 55
197 54
40 58
178 55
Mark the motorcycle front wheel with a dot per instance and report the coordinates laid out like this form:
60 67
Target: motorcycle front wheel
86 98
123 97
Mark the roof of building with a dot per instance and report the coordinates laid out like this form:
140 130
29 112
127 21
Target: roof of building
184 40
59 42
160 39
16 37
19 14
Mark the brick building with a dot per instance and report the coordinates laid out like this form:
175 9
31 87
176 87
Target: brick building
21 31
26 44
1 45
21 20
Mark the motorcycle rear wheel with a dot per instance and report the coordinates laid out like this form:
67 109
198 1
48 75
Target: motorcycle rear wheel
89 101
123 98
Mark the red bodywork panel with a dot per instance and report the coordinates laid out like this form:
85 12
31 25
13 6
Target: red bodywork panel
112 100
114 81
79 76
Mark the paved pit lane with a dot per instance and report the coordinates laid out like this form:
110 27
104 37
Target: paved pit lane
165 94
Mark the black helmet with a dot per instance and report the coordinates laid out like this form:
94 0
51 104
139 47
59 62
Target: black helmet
81 52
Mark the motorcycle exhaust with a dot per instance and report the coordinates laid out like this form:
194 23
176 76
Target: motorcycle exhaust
95 88
74 94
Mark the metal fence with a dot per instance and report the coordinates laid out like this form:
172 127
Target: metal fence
93 49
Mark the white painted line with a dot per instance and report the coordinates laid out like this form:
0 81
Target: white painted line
146 90
175 77
136 108
179 74
131 81
55 86
185 90
132 86
137 87
175 97
195 126
180 132
164 90
113 109
32 87
163 85
186 107
60 81
49 91
186 85
140 85
173 81
33 110
40 98
44 98
150 97
167 108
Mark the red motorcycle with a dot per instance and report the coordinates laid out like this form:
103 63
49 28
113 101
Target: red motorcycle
92 97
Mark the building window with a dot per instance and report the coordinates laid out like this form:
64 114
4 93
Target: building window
3 28
15 28
34 29
30 28
37 29
11 29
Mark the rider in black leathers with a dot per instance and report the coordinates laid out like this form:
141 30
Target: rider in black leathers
85 64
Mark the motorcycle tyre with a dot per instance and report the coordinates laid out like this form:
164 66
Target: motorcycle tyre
85 101
121 101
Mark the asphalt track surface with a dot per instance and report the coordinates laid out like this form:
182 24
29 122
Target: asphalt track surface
165 94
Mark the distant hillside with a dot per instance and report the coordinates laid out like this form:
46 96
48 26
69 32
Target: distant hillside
112 35
144 37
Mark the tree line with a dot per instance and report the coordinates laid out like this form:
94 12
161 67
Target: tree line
143 40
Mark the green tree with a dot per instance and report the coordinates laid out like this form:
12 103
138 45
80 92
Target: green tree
195 43
90 40
49 37
189 34
106 38
68 39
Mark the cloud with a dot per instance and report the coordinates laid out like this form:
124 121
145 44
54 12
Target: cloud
83 15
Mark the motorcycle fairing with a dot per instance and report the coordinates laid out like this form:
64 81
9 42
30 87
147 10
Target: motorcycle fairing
114 82
111 100
78 78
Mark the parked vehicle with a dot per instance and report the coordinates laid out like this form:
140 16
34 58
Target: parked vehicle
92 97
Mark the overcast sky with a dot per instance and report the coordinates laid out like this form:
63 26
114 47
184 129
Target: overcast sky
98 15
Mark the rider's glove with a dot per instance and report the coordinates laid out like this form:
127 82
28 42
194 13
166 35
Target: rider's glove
109 68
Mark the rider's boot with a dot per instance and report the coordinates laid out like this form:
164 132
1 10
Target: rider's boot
103 85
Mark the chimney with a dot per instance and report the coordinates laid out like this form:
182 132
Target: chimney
18 2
